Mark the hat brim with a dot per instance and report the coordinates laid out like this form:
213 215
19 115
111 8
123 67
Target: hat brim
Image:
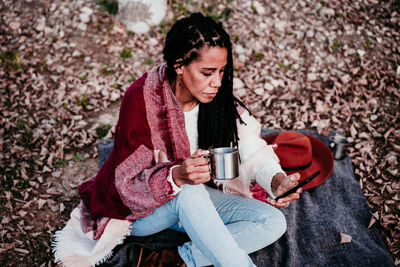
322 159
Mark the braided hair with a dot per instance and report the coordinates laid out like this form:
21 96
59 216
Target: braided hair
217 119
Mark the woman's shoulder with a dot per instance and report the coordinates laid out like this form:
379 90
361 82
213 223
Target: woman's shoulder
133 99
136 87
149 81
144 92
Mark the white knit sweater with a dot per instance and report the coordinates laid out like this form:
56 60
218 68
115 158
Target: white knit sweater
258 160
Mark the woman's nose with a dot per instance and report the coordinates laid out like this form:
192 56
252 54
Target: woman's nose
216 81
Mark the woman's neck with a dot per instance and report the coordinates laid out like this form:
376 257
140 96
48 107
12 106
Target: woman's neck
188 104
187 101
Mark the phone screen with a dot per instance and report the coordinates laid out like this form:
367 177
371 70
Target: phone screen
303 183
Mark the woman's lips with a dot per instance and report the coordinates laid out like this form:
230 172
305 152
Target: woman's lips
211 94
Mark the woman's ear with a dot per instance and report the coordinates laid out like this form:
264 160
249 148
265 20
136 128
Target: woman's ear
179 71
178 67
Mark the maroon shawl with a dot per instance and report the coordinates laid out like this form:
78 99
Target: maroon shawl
150 137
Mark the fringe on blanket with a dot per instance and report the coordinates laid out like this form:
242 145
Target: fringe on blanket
72 247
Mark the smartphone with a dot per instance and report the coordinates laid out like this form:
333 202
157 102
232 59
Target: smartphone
306 181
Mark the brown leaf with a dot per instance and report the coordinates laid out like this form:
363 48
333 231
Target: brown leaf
29 227
344 238
20 250
396 147
376 215
35 234
8 195
353 131
14 25
62 207
41 203
5 220
22 213
371 222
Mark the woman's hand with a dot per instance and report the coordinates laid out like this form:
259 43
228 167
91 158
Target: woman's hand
193 170
281 184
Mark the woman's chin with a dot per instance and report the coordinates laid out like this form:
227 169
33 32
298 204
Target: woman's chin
206 100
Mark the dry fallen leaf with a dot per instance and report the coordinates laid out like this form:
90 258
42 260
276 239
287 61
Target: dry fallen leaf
62 207
371 222
41 203
22 213
20 250
344 238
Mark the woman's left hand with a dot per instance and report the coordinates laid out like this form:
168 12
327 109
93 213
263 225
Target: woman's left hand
281 184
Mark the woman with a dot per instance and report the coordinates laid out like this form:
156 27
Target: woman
156 175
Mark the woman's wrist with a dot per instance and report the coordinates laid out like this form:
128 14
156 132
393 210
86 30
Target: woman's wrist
175 176
276 181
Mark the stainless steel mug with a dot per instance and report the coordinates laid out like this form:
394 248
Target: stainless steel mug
338 146
224 163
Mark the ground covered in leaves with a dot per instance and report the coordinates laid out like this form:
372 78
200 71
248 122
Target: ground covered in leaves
299 64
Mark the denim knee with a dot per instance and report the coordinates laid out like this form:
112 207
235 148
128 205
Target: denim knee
192 195
190 191
280 222
274 222
269 215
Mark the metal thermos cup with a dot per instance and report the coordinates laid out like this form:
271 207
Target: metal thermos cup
338 146
224 163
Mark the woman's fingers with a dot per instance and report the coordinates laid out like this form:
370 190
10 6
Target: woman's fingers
199 178
284 202
198 158
194 170
200 161
274 203
293 179
199 153
294 176
290 198
288 183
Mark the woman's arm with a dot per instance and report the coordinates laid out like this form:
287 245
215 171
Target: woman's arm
261 164
259 161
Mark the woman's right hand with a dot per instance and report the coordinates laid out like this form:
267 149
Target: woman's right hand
193 170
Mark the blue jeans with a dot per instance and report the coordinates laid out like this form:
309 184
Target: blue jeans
223 229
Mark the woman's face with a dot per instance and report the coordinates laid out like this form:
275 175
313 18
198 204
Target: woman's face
202 77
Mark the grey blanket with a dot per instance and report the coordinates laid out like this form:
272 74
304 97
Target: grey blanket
316 223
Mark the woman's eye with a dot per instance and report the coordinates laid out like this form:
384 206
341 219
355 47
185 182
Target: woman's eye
207 74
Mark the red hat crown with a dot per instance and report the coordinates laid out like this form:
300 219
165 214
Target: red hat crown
294 151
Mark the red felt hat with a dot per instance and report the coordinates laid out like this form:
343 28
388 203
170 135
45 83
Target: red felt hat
304 154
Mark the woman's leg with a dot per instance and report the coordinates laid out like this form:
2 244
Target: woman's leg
211 241
252 223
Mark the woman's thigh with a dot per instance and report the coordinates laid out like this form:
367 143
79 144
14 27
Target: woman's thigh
233 208
191 200
161 219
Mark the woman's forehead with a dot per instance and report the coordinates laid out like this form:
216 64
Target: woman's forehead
212 57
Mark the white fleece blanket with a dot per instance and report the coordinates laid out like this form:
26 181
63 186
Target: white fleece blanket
72 247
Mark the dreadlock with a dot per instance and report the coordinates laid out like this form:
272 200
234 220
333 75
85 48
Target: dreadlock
217 119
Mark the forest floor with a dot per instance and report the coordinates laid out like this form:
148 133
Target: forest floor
299 64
